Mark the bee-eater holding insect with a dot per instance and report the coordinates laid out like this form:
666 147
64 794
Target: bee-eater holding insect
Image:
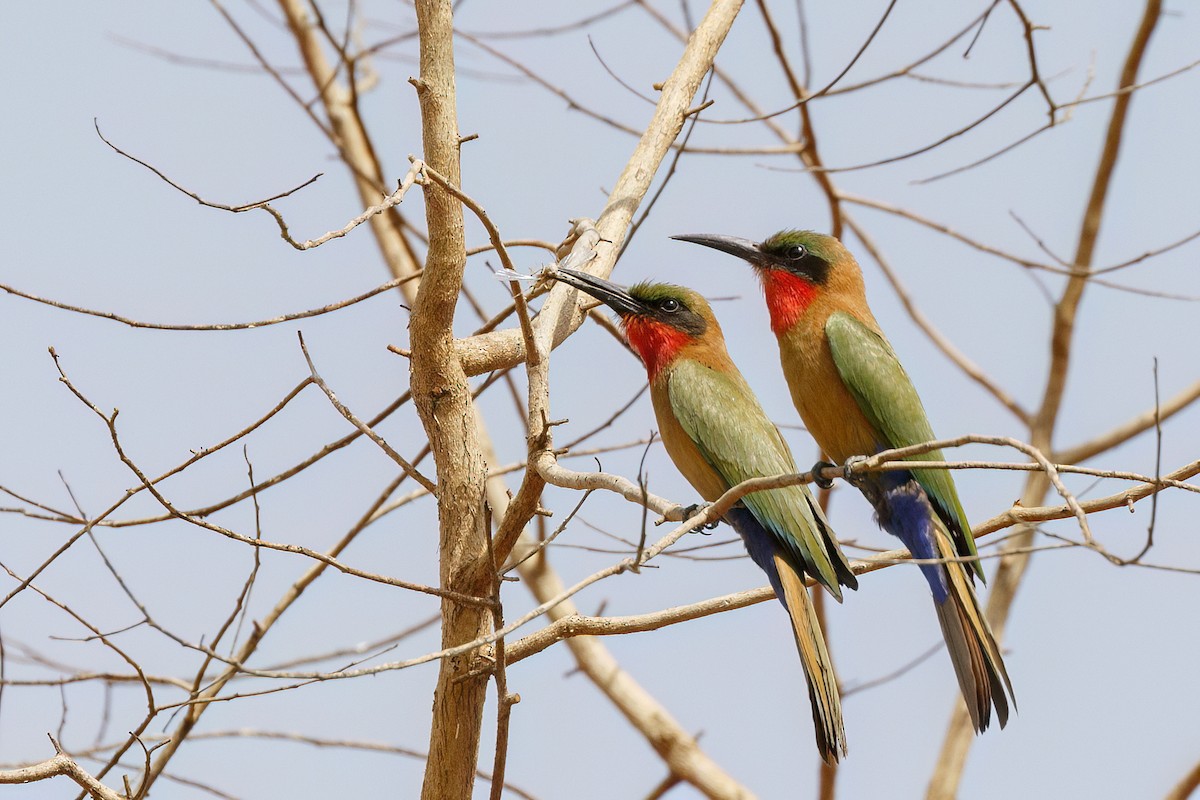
718 436
856 400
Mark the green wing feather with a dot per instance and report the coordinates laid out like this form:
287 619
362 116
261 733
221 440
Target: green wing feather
887 398
722 417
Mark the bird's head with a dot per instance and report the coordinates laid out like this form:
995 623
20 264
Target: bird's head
660 320
795 267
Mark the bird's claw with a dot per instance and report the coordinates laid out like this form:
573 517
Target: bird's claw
848 469
693 510
819 479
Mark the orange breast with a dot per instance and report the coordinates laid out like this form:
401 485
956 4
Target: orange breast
826 406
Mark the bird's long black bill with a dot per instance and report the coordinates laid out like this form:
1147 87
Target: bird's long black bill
612 295
742 248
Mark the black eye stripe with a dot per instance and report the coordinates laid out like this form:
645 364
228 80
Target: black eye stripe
678 315
799 260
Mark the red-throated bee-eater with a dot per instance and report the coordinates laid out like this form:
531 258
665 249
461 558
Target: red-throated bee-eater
718 436
856 399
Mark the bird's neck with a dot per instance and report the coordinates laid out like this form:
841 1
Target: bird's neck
656 343
788 297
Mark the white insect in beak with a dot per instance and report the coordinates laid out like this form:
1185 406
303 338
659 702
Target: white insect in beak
574 260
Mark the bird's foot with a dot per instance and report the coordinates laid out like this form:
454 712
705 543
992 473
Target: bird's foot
819 478
848 470
693 510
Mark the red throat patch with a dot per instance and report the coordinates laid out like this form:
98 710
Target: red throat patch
788 296
656 342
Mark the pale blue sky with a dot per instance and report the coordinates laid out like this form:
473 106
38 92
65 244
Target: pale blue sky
1102 659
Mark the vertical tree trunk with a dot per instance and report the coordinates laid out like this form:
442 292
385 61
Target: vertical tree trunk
443 400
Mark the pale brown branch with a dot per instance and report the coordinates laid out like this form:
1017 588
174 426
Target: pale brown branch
219 326
64 765
349 135
577 625
275 74
803 97
347 744
238 209
992 156
1124 90
1035 79
363 648
1031 51
884 461
1022 515
671 168
408 468
1131 428
571 102
371 213
538 438
648 716
948 231
444 402
907 71
504 700
274 480
899 672
538 243
111 423
1063 267
449 653
560 476
810 155
566 626
965 129
1015 516
723 76
152 706
554 30
958 739
173 57
1187 785
497 241
506 469
1068 306
560 313
678 748
259 631
1157 251
608 422
104 677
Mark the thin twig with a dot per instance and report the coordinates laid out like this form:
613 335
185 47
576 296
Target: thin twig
219 326
1158 442
408 468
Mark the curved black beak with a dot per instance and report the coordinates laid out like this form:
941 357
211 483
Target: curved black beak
612 295
742 248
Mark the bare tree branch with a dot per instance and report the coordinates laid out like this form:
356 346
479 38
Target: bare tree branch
495 350
1127 430
60 764
948 772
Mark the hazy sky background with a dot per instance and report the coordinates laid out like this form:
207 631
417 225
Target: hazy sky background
1103 660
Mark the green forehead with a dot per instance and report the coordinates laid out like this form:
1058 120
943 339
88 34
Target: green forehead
648 292
816 243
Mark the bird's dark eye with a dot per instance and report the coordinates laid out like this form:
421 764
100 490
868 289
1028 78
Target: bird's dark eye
795 252
670 305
